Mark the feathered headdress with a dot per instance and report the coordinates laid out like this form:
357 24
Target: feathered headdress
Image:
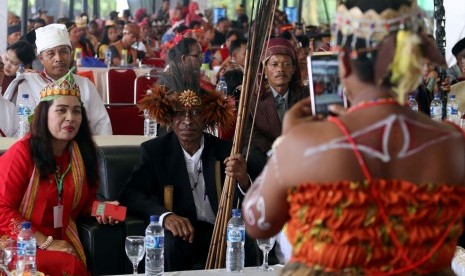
179 88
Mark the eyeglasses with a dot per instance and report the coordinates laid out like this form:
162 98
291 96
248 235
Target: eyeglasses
198 56
64 52
191 113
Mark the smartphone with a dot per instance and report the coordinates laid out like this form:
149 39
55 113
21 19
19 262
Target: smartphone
115 211
325 85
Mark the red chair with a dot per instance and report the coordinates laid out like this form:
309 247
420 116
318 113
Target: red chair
157 53
141 85
120 86
155 62
125 119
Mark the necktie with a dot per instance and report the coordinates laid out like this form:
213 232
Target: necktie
280 106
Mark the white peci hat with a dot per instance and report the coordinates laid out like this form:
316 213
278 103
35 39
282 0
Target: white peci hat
50 36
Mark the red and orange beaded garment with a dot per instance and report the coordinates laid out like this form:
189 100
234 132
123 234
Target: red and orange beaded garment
373 227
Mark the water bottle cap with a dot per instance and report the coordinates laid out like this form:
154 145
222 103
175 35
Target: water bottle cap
26 225
410 97
221 78
25 96
236 212
154 218
452 96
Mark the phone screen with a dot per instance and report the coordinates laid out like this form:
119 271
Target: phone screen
325 85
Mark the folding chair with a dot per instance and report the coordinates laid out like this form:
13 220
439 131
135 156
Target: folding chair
125 119
120 86
157 53
141 85
155 62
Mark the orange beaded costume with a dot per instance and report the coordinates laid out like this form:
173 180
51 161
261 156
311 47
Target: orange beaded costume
383 226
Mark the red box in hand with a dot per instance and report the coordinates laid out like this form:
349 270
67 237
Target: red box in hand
109 210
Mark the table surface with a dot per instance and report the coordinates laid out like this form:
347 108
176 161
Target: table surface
111 140
252 271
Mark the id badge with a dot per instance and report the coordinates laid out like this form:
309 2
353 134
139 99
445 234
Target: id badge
58 216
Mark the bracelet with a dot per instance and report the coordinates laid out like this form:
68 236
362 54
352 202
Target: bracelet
47 243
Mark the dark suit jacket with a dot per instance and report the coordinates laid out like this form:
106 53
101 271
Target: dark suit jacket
267 124
162 163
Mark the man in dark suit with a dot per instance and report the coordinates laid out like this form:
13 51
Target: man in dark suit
185 159
281 89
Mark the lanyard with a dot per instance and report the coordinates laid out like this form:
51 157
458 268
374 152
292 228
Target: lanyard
59 181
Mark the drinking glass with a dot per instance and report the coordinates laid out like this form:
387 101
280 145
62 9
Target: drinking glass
135 250
266 245
9 260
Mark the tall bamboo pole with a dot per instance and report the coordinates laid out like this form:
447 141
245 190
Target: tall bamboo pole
259 33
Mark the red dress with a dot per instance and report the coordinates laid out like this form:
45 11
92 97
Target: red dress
15 178
373 227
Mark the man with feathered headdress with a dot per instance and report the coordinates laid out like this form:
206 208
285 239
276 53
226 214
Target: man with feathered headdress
185 163
55 54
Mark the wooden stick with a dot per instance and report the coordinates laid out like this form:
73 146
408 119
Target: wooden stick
264 13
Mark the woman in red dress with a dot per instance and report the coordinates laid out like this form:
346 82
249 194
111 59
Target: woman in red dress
50 177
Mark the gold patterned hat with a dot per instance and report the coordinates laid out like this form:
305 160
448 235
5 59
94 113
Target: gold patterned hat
65 86
81 22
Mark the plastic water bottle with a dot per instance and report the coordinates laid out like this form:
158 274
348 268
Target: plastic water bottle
413 104
452 109
435 109
150 125
235 239
222 87
124 57
78 57
154 247
26 264
24 110
20 70
108 57
205 70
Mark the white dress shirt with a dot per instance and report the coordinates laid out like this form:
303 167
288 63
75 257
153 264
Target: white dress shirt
197 185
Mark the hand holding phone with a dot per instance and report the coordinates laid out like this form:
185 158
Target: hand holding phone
325 86
104 209
297 114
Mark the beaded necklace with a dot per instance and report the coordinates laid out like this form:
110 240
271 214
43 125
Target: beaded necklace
199 171
374 102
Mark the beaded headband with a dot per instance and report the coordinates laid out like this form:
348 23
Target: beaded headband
398 35
372 26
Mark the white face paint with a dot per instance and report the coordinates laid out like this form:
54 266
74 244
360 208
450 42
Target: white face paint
383 154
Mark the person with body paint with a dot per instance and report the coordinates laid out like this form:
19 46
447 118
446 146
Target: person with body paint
378 190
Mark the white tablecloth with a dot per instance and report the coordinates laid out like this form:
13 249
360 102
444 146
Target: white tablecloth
100 77
113 140
252 271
